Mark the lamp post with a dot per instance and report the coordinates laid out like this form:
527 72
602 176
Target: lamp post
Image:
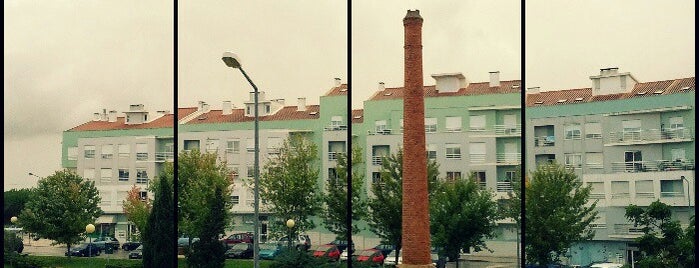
231 60
290 223
89 229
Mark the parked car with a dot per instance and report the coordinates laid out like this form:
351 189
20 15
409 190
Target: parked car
130 245
385 248
342 245
372 256
137 253
240 251
183 244
269 250
328 251
302 242
106 241
83 250
238 238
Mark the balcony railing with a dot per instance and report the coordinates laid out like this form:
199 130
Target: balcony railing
141 156
508 129
627 229
335 127
650 135
653 165
477 158
543 141
379 132
504 186
162 156
671 194
509 158
482 184
333 155
377 160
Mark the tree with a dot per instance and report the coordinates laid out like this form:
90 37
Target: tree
136 208
208 251
159 232
335 197
386 205
199 175
556 213
664 243
288 185
14 201
461 216
60 207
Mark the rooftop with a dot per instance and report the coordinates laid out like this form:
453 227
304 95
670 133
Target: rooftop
481 88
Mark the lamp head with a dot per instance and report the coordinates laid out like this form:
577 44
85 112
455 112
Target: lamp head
89 228
231 59
290 223
13 219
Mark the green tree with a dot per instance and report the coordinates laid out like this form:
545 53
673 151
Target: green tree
136 209
60 207
335 197
664 243
462 215
208 251
288 185
159 233
199 175
13 202
386 205
556 213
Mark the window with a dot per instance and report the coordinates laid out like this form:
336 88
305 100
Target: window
633 161
430 125
268 109
477 152
432 151
597 191
233 146
380 126
250 145
453 175
332 174
247 111
141 175
89 151
453 123
89 174
274 144
671 188
235 171
644 189
572 132
141 151
632 129
143 195
375 177
235 199
251 171
191 145
678 154
573 160
480 178
676 122
477 122
593 130
72 153
212 145
453 151
620 189
106 175
123 174
335 148
594 160
336 122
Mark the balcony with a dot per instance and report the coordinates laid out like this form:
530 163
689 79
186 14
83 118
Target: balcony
671 194
164 156
543 141
333 127
477 158
508 158
333 155
627 230
504 186
653 166
508 130
377 160
649 136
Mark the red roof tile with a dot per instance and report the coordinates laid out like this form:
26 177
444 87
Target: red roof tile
337 91
512 86
357 113
238 115
183 112
640 90
161 122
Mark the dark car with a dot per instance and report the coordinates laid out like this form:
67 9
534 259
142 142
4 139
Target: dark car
238 238
328 251
342 245
385 248
240 251
137 253
106 241
84 250
372 256
130 245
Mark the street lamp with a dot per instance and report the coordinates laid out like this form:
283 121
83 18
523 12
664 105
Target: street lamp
231 60
290 223
13 219
89 229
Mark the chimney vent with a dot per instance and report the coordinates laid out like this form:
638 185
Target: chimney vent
338 82
382 86
227 107
96 117
533 90
495 79
112 116
302 104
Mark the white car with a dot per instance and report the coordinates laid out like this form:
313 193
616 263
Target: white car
391 258
607 265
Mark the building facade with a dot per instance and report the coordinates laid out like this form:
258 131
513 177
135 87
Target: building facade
632 142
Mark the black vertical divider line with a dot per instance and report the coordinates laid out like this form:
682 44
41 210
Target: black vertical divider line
175 133
349 134
523 140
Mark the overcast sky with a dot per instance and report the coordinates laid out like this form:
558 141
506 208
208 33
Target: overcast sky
65 60
566 42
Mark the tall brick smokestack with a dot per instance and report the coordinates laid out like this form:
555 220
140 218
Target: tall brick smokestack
416 219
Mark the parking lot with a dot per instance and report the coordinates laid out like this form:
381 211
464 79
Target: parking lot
43 247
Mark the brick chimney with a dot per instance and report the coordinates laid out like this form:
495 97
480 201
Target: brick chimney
416 219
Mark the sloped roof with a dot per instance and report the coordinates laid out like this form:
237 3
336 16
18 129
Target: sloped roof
164 121
338 91
481 88
357 113
238 115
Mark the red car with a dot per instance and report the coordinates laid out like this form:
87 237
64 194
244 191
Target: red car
327 251
237 239
372 256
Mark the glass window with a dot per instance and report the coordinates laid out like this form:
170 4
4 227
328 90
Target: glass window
593 130
453 151
124 151
430 125
477 152
671 188
89 174
477 122
453 123
106 175
233 146
453 175
678 154
572 131
123 174
573 160
191 145
107 151
89 151
72 153
620 189
212 145
594 160
480 178
274 144
141 151
432 151
251 171
336 121
380 125
375 177
250 145
141 175
676 122
235 199
644 189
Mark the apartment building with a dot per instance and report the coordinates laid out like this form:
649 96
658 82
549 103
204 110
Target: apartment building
632 141
117 152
